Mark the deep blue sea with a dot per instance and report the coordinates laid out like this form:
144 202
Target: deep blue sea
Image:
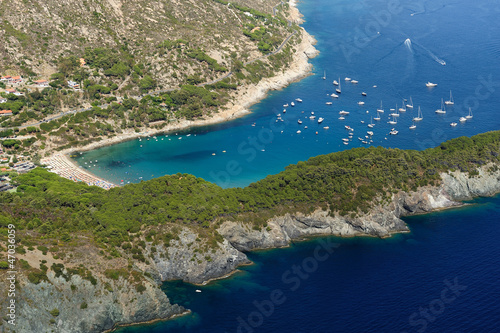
443 276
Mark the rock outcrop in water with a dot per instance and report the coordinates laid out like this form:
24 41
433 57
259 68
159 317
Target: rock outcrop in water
381 221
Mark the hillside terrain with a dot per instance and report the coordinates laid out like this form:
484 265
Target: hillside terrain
92 70
100 251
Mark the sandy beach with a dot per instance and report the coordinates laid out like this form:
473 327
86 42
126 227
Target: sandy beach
242 99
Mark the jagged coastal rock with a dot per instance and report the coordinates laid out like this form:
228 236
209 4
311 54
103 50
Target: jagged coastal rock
184 259
381 221
87 308
100 306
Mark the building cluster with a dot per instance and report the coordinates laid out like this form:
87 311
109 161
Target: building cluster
13 91
23 167
4 160
12 80
5 183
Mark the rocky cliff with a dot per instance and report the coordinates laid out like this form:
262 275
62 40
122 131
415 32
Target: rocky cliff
79 306
186 261
381 221
95 307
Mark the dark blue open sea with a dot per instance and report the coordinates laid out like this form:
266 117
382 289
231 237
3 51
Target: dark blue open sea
443 276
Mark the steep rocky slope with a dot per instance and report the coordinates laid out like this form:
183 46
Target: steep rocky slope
35 34
86 306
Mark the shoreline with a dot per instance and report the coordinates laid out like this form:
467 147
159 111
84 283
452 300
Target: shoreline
145 323
243 99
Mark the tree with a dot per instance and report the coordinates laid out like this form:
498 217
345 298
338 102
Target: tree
147 83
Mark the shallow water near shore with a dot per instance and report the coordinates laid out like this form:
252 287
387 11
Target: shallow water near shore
461 34
364 285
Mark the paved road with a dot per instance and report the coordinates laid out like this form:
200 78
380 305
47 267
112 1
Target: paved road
159 91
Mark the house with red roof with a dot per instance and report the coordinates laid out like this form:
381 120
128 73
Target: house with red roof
16 80
41 83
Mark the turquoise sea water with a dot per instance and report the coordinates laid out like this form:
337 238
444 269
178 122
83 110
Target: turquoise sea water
443 276
460 33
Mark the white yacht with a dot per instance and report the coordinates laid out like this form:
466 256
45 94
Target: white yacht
361 103
462 119
453 124
324 75
354 81
442 110
343 113
299 121
335 82
393 132
430 84
363 94
469 116
371 124
370 133
410 105
334 95
403 107
298 100
320 120
450 101
348 79
419 115
328 103
393 121
395 114
292 104
381 110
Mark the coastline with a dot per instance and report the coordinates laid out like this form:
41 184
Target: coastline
149 322
242 100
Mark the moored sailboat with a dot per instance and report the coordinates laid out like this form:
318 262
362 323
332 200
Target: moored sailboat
442 110
450 101
469 116
410 105
339 89
381 110
419 115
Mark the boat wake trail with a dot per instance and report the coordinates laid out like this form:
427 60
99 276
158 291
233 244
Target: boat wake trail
408 44
432 55
388 54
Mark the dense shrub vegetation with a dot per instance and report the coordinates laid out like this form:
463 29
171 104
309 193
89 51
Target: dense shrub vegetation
345 182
